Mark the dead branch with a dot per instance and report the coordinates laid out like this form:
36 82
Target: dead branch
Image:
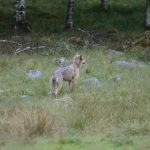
83 31
13 42
22 50
40 47
28 49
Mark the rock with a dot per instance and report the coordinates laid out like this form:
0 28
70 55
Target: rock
34 74
93 81
139 63
114 52
63 62
66 101
126 64
24 96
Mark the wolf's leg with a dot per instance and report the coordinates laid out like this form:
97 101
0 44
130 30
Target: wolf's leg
54 95
69 84
54 90
59 86
73 86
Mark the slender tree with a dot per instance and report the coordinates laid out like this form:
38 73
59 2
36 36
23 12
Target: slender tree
104 4
69 21
148 15
19 15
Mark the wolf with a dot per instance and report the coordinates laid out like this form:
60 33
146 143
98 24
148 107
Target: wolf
69 73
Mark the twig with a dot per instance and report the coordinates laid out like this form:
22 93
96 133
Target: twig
28 48
138 40
24 49
84 31
39 47
10 42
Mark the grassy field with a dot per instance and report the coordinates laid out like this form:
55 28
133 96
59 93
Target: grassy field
118 110
85 142
112 116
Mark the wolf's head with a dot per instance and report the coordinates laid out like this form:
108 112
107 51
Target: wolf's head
78 60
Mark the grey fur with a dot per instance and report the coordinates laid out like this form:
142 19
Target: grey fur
69 74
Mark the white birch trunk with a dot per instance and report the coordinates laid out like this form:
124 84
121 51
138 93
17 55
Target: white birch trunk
19 15
69 22
148 15
104 4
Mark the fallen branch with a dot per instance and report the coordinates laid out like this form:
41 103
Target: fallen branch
83 31
22 50
28 49
40 47
10 42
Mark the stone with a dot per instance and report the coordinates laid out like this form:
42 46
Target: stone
127 64
63 62
34 74
114 52
93 81
24 96
139 63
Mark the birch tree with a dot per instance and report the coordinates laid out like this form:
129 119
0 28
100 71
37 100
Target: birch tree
19 15
104 4
69 20
148 15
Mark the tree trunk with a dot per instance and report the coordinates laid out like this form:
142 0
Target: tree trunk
104 4
69 21
19 15
148 15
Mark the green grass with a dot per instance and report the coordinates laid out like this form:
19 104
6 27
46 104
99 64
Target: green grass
116 109
84 142
113 116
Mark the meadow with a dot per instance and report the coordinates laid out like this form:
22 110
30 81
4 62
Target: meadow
114 115
117 110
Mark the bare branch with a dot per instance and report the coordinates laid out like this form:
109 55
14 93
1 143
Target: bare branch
40 47
24 49
13 42
28 49
83 31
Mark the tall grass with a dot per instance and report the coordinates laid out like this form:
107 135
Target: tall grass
121 106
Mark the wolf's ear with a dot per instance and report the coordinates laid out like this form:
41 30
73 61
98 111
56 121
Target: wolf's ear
81 57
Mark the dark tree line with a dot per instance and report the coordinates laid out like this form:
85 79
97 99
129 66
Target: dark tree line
21 22
20 17
148 14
